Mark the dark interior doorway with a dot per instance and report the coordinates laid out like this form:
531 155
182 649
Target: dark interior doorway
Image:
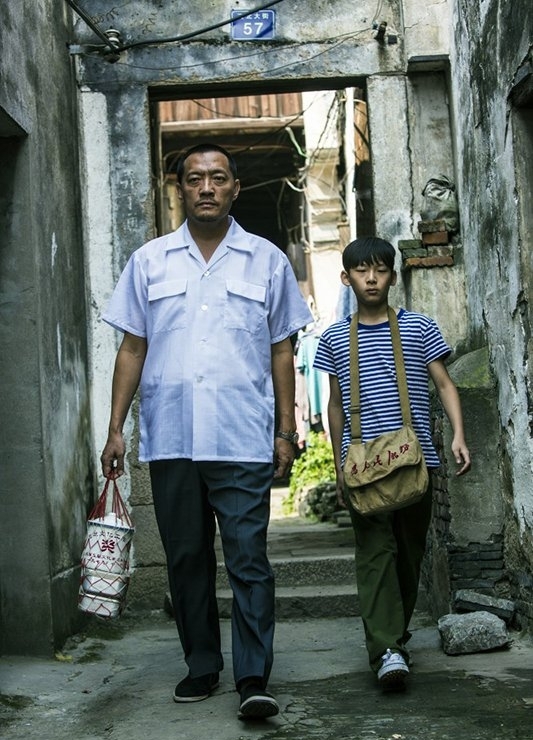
265 134
273 137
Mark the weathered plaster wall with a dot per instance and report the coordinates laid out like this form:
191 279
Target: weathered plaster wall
492 41
45 441
314 40
117 195
465 543
426 27
411 141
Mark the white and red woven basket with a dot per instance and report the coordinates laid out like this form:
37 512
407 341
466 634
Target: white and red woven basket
105 560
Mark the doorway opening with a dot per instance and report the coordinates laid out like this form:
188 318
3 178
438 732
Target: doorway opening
303 158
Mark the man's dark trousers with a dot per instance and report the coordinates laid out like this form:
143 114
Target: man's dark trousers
187 497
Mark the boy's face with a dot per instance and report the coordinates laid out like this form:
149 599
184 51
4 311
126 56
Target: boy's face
370 283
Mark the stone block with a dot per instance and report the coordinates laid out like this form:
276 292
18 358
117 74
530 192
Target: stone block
141 491
429 227
466 600
435 237
428 262
420 252
409 244
439 251
472 633
147 588
147 547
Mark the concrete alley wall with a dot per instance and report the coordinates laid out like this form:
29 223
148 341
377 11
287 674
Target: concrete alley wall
45 444
493 94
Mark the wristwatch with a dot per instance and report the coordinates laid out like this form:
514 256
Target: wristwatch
289 436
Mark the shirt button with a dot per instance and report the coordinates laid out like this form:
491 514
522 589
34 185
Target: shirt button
204 307
199 378
207 273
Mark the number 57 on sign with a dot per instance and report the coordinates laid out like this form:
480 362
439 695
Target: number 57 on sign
253 27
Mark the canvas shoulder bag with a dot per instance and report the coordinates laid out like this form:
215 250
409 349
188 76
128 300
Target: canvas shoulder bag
388 472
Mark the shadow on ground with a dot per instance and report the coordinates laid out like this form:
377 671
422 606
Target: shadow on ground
115 682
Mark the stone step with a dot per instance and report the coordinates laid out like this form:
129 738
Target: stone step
314 566
326 570
305 602
300 541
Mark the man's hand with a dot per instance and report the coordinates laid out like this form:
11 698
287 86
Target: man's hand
283 457
112 457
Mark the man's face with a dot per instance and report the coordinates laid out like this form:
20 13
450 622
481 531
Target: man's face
208 188
370 282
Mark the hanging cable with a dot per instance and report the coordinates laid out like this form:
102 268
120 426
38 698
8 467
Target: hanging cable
298 148
119 47
378 10
92 25
193 34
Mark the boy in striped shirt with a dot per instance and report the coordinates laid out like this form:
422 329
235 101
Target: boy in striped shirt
389 547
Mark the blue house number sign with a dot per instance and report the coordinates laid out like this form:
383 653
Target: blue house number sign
254 27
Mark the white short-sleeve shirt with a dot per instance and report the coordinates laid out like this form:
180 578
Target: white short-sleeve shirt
206 388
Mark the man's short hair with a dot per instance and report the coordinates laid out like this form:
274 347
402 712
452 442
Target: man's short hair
368 250
200 149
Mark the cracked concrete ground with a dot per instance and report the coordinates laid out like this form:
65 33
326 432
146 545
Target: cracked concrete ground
116 683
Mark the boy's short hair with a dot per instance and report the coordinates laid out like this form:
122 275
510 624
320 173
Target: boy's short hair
200 149
368 250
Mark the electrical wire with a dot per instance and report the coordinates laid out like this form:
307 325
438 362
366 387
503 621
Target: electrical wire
378 10
219 114
119 47
270 134
296 145
293 187
92 25
341 39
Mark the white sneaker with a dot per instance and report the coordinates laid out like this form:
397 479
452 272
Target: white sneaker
393 671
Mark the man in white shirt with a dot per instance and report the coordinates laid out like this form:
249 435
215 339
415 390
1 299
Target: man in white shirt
207 314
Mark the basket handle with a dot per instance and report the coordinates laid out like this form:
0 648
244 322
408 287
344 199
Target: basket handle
118 506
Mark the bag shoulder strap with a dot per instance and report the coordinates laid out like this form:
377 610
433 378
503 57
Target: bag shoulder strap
355 403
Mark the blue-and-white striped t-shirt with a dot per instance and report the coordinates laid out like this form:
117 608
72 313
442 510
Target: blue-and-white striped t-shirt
422 343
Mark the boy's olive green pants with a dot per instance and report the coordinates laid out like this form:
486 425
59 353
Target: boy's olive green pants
389 549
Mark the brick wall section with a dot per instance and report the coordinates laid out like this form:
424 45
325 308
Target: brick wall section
436 252
439 261
478 565
441 501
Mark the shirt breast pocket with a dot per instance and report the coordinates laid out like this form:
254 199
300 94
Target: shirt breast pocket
245 306
168 305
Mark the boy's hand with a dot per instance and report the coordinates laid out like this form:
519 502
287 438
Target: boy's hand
461 455
340 490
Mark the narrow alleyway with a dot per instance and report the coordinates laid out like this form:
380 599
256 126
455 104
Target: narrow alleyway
115 682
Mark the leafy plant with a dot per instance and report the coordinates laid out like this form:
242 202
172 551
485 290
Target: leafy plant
314 466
